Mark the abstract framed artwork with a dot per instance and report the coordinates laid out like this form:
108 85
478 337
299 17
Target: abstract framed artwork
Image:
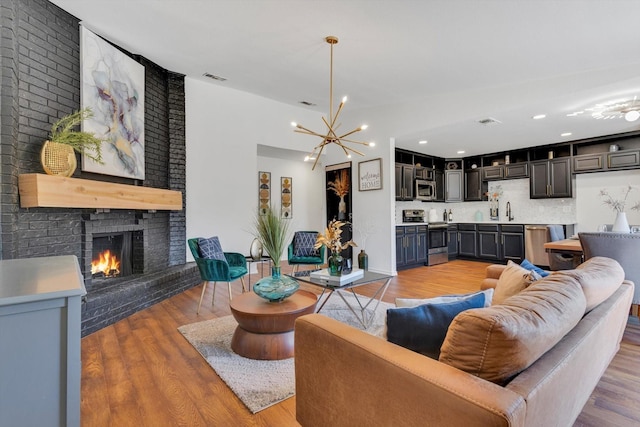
286 197
264 192
370 175
112 85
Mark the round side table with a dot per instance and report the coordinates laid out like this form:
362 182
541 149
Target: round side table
265 329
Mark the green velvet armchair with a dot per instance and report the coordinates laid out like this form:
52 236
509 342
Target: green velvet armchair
301 252
215 270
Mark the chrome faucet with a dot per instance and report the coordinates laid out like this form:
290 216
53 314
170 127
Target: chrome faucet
509 216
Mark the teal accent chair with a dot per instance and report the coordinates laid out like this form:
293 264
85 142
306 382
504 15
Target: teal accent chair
295 259
214 270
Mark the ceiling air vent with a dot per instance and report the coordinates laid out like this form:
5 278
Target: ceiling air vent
489 121
307 103
214 77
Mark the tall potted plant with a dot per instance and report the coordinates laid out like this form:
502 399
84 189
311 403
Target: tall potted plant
272 230
58 152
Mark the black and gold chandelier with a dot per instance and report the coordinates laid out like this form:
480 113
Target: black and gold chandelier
331 136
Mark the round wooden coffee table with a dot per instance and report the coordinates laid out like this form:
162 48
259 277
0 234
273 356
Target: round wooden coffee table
265 329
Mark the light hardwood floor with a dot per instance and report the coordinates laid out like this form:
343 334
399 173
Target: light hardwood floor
142 372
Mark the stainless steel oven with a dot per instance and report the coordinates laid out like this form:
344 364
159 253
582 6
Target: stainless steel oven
437 243
425 190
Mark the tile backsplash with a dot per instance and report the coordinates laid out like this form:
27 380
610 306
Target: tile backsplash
523 209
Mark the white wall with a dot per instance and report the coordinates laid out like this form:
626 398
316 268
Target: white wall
591 211
223 130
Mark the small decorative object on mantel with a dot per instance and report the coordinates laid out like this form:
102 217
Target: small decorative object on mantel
58 156
255 251
621 225
331 239
272 230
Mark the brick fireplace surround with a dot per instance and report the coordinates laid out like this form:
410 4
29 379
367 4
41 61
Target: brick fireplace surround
39 83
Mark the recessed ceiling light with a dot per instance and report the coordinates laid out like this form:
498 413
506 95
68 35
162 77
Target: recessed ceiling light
539 116
424 141
460 151
566 134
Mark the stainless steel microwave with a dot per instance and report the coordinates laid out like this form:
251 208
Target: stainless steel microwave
425 190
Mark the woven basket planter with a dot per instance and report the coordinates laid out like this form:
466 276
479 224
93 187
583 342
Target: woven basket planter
58 159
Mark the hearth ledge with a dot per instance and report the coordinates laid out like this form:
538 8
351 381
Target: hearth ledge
40 190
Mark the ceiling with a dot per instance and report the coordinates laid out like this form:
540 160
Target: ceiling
420 70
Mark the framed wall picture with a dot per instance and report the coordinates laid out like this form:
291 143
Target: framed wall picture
264 191
113 86
370 175
286 197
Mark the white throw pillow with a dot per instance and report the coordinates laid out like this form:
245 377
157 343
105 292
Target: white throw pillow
412 302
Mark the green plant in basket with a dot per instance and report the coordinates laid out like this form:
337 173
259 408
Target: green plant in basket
64 132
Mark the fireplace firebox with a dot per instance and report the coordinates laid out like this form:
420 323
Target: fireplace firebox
115 255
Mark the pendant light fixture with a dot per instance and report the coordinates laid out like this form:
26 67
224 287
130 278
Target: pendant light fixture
331 136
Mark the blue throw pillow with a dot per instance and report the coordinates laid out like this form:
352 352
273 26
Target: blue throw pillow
303 244
527 264
423 328
210 248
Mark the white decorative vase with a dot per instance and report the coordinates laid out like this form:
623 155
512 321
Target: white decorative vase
621 225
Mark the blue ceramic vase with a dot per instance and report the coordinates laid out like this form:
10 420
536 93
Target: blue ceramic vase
275 288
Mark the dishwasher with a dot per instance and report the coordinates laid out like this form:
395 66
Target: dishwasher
535 236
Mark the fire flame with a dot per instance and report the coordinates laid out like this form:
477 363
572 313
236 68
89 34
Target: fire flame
108 264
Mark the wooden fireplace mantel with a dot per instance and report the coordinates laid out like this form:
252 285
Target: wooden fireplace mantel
40 190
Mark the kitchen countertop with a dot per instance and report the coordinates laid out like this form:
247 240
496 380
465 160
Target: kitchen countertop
487 222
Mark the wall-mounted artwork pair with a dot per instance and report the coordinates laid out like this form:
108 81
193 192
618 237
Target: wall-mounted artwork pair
112 85
264 194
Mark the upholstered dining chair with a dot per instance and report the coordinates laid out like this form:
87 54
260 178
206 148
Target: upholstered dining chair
624 248
216 266
301 251
559 261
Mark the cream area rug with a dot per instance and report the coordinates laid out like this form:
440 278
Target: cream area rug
263 383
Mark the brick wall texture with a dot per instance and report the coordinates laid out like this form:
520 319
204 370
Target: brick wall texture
39 83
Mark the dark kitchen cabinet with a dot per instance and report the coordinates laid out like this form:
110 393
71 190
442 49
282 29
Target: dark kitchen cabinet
404 181
623 159
473 185
550 179
411 246
492 172
489 241
422 248
512 237
439 177
516 170
588 163
467 240
452 240
454 184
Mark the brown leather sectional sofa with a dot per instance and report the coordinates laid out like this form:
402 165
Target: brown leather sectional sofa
552 341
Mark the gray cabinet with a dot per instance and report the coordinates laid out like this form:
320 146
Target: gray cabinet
516 170
490 173
452 240
40 301
623 159
454 185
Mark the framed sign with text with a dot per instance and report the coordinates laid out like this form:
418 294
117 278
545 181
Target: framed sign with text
370 175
